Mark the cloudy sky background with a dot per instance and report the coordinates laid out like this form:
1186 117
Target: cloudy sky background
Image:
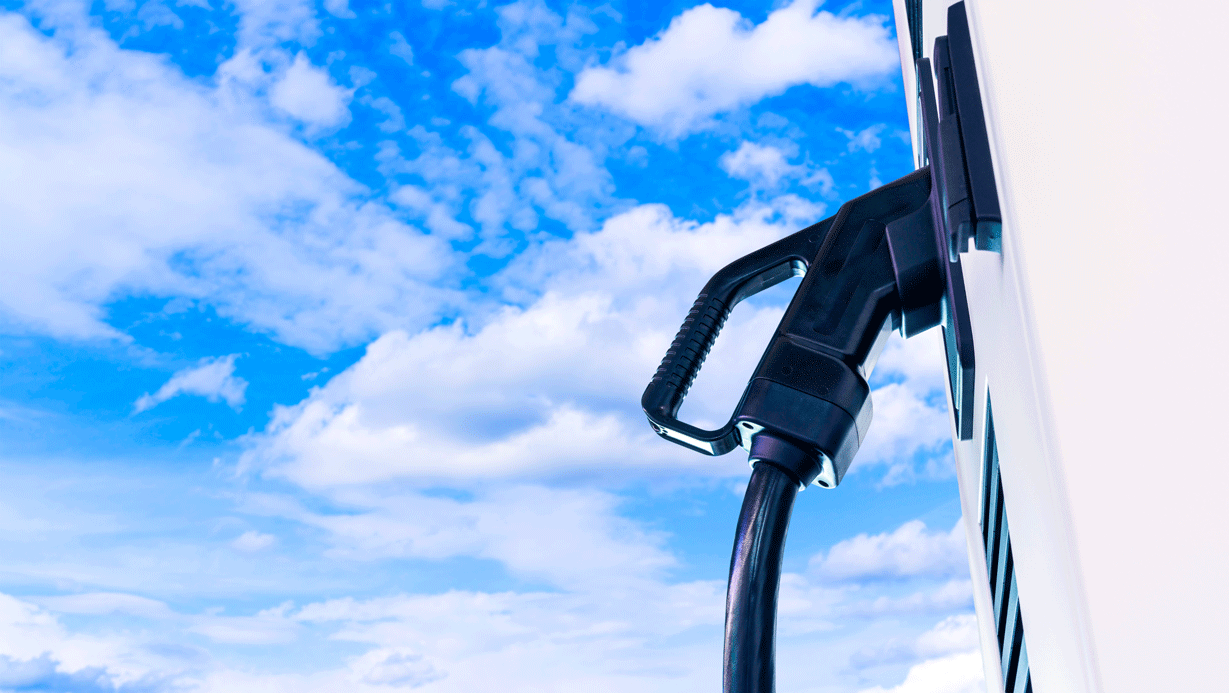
324 328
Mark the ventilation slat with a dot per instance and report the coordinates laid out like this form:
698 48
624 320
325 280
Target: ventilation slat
1000 564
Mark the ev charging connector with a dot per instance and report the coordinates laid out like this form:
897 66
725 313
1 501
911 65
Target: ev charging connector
872 268
888 260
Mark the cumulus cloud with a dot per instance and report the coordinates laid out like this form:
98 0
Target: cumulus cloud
136 180
515 394
519 394
36 648
866 139
252 541
957 673
710 60
212 378
309 94
910 550
44 673
395 666
910 432
920 359
765 166
754 162
956 634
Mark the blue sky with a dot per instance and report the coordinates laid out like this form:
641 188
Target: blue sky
323 328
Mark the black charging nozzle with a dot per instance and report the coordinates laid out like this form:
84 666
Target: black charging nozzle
872 268
882 263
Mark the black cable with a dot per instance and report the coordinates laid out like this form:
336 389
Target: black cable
755 578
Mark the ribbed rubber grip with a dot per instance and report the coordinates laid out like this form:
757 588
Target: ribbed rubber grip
744 277
678 370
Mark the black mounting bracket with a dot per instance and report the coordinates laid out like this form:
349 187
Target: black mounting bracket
971 195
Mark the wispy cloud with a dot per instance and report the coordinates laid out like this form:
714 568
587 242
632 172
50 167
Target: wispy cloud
866 139
907 551
765 166
102 603
252 541
572 539
957 673
212 378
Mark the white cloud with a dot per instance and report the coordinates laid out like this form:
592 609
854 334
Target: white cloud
267 23
309 94
38 652
126 178
267 626
517 395
253 541
765 166
920 359
339 8
660 640
906 422
607 619
401 48
953 595
396 666
28 633
909 550
867 139
569 538
212 378
752 162
711 60
957 633
396 119
957 673
514 393
101 603
554 166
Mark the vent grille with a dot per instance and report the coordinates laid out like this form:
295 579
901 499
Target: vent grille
1013 655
